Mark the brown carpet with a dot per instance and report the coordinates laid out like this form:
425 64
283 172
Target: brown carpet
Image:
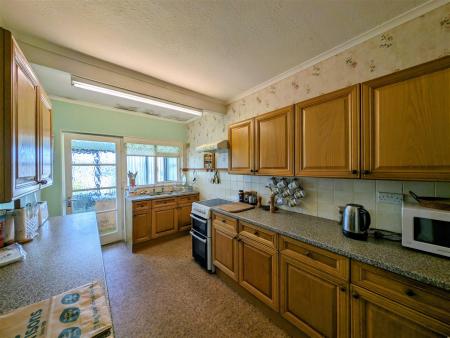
161 292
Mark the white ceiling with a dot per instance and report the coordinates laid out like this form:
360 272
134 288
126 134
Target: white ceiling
59 84
218 48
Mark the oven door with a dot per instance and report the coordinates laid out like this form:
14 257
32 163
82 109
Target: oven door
200 224
200 248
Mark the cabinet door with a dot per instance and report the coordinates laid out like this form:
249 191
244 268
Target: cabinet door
406 119
45 141
142 229
25 126
164 221
184 217
376 316
274 143
240 155
258 271
327 135
313 301
225 251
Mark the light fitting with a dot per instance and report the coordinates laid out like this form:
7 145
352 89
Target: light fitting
103 89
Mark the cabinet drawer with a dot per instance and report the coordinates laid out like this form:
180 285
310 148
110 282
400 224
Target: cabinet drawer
164 202
423 298
320 259
226 222
187 199
258 234
140 206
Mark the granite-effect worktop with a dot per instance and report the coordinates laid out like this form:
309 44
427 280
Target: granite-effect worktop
327 234
157 196
65 255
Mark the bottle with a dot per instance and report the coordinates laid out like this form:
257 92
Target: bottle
241 195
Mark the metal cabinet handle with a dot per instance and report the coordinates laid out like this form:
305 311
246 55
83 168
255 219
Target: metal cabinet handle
343 288
365 172
354 171
199 219
355 295
308 253
197 237
410 293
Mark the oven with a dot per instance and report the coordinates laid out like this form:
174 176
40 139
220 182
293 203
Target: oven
201 242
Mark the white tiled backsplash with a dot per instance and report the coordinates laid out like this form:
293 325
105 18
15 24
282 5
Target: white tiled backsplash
323 196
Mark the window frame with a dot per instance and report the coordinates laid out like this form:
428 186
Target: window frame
180 160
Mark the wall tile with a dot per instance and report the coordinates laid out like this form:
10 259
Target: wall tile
443 189
343 185
389 186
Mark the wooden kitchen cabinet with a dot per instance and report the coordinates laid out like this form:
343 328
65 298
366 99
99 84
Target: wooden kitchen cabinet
405 122
258 270
373 315
317 303
164 221
25 163
241 154
142 227
274 143
184 211
225 250
314 288
327 135
184 217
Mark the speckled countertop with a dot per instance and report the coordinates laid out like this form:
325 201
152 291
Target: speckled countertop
327 234
65 255
152 197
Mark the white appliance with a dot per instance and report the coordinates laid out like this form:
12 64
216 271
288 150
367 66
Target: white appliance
426 229
202 230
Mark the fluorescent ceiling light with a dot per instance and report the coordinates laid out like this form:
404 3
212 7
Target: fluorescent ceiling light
133 97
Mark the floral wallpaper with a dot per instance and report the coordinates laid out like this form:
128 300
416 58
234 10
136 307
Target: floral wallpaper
417 41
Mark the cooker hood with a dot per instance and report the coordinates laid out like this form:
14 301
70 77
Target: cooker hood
219 146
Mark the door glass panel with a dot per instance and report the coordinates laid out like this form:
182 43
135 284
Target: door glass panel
94 200
107 222
93 152
93 176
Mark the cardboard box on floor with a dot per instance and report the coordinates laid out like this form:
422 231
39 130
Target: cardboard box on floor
81 312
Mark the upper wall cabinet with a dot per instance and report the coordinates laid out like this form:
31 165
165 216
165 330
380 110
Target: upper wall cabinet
274 143
263 145
241 139
327 135
406 124
25 122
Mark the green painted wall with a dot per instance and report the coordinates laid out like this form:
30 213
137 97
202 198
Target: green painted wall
70 117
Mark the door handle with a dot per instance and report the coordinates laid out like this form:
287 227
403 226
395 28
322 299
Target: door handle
197 237
199 219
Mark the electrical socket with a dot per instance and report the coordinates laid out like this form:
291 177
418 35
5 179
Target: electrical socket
389 197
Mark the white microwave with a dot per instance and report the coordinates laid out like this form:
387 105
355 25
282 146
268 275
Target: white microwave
426 229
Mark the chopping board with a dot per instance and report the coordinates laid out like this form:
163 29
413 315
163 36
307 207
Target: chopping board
236 207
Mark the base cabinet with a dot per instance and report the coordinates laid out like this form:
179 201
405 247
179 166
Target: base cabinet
164 221
225 250
376 316
142 227
258 271
313 301
184 217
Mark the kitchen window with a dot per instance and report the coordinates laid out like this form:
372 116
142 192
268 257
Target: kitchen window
154 163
